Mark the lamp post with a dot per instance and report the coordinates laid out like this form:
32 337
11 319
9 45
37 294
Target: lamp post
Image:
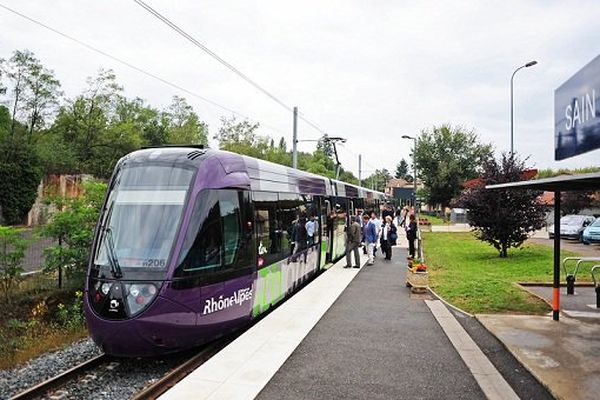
414 167
529 64
419 249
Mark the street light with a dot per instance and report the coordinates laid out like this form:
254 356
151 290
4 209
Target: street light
529 64
419 249
414 167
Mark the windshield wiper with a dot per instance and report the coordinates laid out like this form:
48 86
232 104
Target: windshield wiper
115 268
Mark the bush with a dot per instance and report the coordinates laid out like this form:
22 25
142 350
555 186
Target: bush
12 252
73 228
20 174
71 316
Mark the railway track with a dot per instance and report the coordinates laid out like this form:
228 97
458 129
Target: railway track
93 373
59 380
170 379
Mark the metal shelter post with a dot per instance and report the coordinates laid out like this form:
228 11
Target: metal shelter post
556 283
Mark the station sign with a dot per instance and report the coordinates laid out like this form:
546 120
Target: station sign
577 113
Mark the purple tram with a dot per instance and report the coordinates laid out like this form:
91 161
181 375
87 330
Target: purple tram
194 243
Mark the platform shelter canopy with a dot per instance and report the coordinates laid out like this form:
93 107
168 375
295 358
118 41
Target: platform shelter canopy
559 183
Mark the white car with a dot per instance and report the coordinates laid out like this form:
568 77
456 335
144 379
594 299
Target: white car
572 226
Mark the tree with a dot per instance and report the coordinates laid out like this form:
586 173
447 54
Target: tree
447 156
12 252
378 179
240 137
35 91
5 122
20 174
402 171
97 127
325 145
2 87
574 202
73 228
41 98
184 125
503 218
282 145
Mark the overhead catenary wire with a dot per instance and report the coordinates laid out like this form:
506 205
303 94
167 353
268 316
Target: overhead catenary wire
229 66
132 66
165 81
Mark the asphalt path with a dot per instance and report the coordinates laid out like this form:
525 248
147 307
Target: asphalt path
375 342
580 249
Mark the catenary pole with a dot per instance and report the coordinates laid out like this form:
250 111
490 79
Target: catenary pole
359 170
295 140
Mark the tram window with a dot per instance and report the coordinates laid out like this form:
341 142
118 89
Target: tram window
268 229
288 212
312 219
215 239
230 216
204 240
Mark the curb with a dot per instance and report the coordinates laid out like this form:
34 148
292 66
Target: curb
519 359
524 287
550 284
447 303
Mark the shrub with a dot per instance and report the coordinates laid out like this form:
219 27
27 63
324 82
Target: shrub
12 252
73 228
71 316
20 174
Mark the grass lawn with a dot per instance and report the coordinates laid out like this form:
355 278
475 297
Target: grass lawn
469 274
434 220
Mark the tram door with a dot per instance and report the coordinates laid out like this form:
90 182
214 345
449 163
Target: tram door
326 233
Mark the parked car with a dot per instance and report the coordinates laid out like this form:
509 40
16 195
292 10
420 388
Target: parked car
591 234
572 226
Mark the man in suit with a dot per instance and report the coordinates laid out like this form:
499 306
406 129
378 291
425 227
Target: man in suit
353 236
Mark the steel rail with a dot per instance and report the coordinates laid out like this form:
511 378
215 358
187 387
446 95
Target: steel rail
156 389
58 380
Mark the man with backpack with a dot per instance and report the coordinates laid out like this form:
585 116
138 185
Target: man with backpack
370 235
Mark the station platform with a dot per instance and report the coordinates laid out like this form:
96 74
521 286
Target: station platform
351 334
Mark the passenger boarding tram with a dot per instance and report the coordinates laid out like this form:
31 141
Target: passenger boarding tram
194 243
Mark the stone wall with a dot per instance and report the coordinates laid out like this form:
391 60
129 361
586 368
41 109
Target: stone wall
69 186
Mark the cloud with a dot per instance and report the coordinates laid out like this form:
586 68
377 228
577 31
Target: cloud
368 71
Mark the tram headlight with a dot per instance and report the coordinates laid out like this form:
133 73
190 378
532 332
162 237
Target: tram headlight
139 295
105 288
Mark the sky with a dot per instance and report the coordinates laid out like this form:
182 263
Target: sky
368 71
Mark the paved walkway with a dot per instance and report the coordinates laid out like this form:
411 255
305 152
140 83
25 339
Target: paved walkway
581 305
451 228
564 355
375 342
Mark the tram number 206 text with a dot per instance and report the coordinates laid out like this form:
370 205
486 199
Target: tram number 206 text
154 262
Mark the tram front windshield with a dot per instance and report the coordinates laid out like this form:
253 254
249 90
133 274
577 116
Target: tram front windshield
141 217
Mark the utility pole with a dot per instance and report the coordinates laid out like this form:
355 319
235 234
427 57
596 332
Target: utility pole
359 170
295 140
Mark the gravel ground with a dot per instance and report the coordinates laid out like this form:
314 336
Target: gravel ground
119 379
45 366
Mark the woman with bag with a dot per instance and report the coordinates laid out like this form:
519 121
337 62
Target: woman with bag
389 235
411 235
